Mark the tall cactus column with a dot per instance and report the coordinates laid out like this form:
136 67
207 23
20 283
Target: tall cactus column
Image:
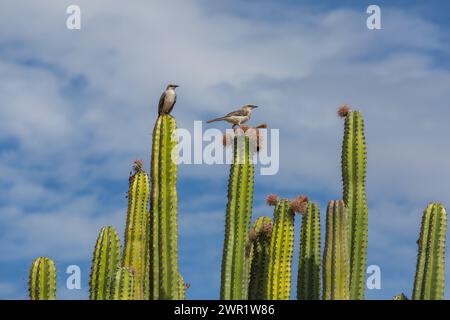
42 281
258 254
237 221
429 280
105 263
309 266
336 259
137 231
354 161
281 248
164 276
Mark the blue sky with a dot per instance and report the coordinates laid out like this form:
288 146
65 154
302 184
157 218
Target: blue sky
76 107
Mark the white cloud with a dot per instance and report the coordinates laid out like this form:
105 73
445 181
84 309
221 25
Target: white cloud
8 289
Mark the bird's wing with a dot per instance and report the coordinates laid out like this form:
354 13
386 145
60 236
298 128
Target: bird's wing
173 104
161 102
236 113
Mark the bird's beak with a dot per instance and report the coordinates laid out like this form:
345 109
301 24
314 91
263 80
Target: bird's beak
253 107
176 86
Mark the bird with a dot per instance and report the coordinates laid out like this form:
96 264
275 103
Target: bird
238 117
167 100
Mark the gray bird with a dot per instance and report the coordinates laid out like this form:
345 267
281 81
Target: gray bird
167 100
238 117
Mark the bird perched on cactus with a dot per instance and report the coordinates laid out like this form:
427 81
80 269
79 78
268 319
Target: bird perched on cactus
237 117
167 100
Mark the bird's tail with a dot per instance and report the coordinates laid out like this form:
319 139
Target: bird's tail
216 119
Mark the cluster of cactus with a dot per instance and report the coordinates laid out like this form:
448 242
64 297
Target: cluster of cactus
147 266
257 261
117 275
344 258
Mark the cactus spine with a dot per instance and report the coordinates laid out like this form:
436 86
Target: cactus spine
258 252
164 276
309 266
429 280
281 251
237 224
354 161
137 232
123 285
42 281
336 259
106 261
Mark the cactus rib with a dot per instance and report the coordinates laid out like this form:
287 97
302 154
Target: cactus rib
238 216
308 280
106 261
164 211
429 280
123 285
336 260
354 161
258 256
137 234
42 279
281 251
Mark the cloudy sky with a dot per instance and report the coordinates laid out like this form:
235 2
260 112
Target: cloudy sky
76 107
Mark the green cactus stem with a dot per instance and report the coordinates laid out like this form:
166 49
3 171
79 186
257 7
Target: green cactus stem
106 261
123 285
237 221
281 249
42 281
135 256
430 278
309 266
336 257
354 162
181 287
258 255
164 277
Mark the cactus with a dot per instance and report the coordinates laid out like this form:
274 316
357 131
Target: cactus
181 287
135 256
106 261
336 259
401 296
429 280
123 285
42 281
237 222
163 253
309 266
281 250
354 160
258 255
